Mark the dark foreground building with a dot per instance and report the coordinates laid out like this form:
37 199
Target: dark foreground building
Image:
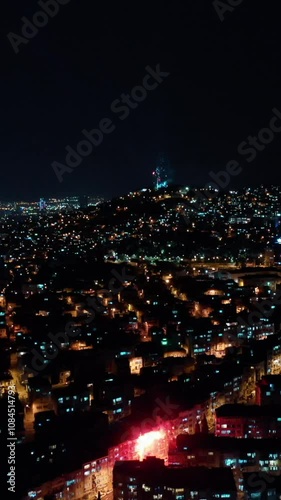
248 421
151 479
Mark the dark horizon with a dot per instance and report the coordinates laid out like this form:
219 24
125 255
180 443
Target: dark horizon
136 189
223 83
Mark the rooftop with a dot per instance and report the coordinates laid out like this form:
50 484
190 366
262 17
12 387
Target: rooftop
248 411
153 471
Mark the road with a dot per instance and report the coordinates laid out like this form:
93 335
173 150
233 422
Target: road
23 395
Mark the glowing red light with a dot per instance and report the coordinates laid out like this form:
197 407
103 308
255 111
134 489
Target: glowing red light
146 443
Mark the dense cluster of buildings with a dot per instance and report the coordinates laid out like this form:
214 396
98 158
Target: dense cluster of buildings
147 326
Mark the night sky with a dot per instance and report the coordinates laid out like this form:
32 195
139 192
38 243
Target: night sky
224 81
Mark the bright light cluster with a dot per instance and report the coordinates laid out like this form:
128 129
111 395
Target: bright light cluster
146 443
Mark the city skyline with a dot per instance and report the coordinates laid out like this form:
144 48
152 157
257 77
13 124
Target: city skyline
211 185
144 326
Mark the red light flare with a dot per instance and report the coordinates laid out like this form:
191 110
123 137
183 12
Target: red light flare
146 443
